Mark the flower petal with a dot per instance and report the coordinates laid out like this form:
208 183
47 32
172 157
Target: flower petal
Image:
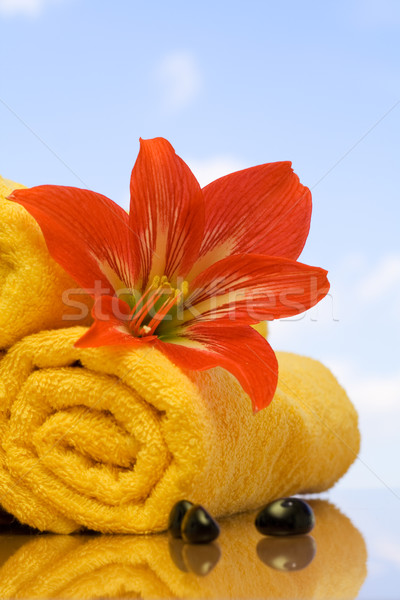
261 210
167 211
85 232
238 349
250 287
110 325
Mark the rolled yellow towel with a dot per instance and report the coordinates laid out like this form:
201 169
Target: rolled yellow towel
114 444
31 282
158 567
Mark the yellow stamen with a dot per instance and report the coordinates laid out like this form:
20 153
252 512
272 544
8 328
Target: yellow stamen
143 321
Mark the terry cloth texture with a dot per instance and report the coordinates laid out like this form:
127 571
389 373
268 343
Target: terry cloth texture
31 282
112 445
158 567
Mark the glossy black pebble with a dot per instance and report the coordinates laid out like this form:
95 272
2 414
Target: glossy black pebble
290 553
176 515
286 516
198 527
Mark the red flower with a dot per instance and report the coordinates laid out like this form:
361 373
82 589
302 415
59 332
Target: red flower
190 269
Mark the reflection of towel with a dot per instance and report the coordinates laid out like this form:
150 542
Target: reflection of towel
31 282
128 566
113 445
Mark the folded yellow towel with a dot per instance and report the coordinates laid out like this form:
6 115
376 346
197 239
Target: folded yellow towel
113 445
31 282
158 567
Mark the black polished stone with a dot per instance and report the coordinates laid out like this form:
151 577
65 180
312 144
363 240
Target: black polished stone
198 527
289 553
286 516
176 515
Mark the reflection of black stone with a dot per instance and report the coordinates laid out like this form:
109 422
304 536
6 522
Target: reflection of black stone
176 515
287 553
175 549
198 527
201 559
286 516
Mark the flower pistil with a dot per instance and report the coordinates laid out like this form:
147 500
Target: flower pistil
155 305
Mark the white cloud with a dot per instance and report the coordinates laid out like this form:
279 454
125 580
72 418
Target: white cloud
381 280
30 8
372 393
214 167
180 79
359 317
376 397
388 550
361 350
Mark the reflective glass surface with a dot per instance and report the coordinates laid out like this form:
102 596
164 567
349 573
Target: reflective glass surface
353 552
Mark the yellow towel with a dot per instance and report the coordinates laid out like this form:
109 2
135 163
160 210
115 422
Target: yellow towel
31 282
158 567
113 445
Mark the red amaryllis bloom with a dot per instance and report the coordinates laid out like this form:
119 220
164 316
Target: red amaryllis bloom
189 270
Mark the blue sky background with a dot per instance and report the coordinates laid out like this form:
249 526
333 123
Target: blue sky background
233 84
